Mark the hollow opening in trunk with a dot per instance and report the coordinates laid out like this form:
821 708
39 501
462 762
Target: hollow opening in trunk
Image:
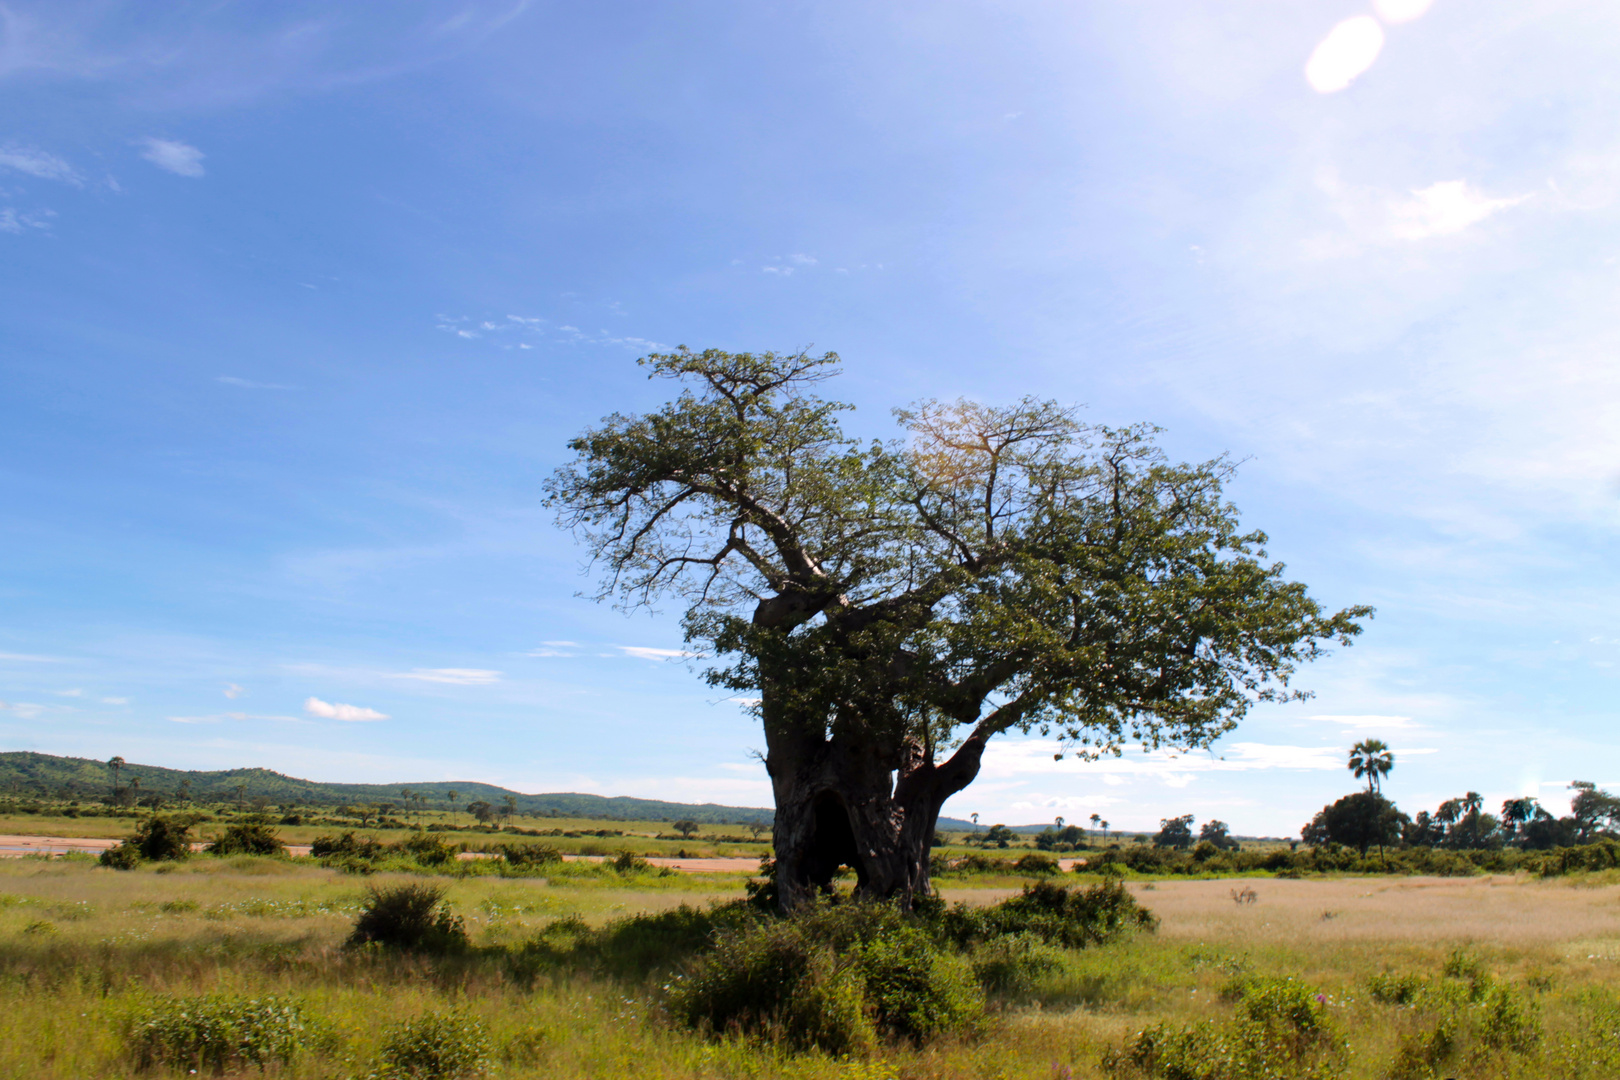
832 845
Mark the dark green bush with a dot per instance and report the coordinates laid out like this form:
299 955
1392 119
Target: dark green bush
835 978
429 850
156 838
775 981
1036 864
347 846
215 1032
1058 914
1391 989
435 1046
1280 1029
409 917
529 856
1011 965
247 838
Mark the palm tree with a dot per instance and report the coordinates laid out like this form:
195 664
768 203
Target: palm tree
1105 832
115 763
451 794
510 805
1060 821
1515 812
975 817
1094 819
1372 759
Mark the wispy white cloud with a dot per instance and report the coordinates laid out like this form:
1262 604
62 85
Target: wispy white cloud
451 676
216 718
249 384
1441 209
1369 722
331 711
177 157
115 701
28 658
38 163
26 710
233 691
16 221
643 652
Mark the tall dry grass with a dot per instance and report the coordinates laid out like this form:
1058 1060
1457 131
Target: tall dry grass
84 948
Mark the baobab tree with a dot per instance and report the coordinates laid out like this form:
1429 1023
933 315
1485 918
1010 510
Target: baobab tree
1371 758
893 606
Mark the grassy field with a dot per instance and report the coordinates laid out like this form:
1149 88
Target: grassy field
87 948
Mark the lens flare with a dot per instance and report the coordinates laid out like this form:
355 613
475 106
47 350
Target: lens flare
1349 49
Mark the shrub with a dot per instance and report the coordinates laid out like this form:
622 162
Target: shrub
915 990
834 978
215 1032
429 850
1280 1030
774 981
1036 864
1057 914
247 838
435 1046
156 838
411 917
346 846
1012 964
1395 989
628 862
528 856
125 856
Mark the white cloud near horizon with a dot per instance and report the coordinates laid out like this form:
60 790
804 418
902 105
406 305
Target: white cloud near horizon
174 156
331 711
1348 51
38 163
451 676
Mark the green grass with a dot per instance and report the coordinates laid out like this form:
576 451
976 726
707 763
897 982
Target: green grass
85 952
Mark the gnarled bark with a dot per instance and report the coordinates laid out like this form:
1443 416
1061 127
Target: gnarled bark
841 801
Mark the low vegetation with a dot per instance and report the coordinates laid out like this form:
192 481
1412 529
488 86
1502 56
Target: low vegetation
251 964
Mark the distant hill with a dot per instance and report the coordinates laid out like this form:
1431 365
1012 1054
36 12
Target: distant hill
25 773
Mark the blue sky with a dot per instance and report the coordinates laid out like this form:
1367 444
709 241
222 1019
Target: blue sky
299 303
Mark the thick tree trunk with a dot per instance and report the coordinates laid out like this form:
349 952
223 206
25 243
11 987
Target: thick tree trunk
849 801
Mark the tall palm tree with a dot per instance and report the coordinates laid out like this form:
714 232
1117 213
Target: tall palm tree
1371 758
1105 832
115 763
1060 821
1094 819
1515 812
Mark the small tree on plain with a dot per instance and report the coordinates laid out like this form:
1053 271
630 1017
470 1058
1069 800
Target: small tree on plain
687 829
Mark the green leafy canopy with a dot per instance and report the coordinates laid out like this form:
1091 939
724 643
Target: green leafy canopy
997 568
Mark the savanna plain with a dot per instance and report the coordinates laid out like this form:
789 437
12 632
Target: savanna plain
109 973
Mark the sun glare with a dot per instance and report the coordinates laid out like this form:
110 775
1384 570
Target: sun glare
1349 49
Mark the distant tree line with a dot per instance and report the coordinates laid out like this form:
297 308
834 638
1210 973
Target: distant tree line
1366 819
